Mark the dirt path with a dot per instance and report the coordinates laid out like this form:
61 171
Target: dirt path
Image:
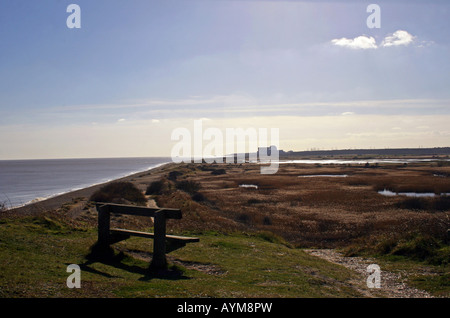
392 284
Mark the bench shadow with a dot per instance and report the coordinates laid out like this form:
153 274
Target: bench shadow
110 258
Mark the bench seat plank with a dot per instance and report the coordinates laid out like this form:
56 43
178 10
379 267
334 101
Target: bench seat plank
184 239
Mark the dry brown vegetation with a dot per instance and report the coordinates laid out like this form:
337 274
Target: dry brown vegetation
311 212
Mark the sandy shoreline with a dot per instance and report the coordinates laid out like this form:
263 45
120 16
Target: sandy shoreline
138 178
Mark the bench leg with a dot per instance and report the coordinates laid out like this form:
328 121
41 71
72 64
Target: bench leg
103 226
101 250
159 243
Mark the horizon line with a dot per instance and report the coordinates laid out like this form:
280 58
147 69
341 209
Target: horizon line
280 150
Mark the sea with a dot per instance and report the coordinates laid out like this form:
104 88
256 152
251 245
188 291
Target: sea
26 181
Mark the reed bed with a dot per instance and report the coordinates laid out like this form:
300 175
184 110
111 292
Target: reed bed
312 212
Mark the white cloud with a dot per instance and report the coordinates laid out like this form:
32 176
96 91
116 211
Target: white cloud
360 42
425 43
347 113
399 37
121 120
155 121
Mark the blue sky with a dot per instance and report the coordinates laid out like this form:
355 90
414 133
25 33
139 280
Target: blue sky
138 69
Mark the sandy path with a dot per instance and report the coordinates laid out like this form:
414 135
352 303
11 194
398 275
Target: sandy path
392 284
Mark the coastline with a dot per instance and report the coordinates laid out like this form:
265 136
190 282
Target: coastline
57 200
54 202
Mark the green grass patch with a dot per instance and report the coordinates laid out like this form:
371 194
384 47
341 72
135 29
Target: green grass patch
35 253
438 285
423 248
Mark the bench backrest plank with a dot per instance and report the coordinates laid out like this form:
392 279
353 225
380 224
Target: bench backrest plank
139 210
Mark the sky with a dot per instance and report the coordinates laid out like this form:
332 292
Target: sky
136 70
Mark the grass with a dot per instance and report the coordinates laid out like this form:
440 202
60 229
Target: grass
411 246
34 254
424 255
439 285
34 260
434 279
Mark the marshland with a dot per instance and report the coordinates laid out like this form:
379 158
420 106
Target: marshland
336 207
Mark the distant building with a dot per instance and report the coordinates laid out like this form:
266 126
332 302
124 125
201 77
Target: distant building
267 151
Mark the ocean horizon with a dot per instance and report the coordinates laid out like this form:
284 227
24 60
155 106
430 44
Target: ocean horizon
30 180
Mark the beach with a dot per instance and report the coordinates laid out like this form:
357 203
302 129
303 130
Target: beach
140 179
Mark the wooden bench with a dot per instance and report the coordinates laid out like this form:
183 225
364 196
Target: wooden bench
108 236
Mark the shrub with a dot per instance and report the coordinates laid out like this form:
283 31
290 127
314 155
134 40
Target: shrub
418 248
413 204
155 187
174 174
198 197
119 192
439 203
443 163
205 168
188 186
385 246
254 201
442 203
3 207
267 220
217 172
244 218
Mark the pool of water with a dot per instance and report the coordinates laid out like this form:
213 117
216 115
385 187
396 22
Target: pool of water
324 175
410 194
254 186
359 161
